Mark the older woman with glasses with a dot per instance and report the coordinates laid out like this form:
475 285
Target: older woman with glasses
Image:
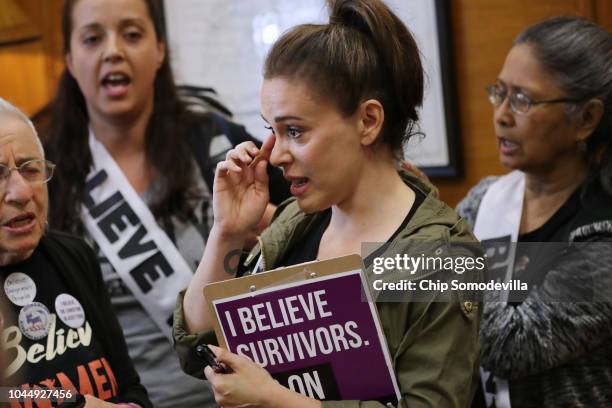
59 330
553 122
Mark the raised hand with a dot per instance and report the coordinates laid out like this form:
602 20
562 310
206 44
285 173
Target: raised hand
240 193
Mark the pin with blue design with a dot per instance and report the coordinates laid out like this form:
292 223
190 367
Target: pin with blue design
34 321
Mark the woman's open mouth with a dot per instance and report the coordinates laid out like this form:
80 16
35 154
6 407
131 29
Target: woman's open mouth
21 224
116 84
507 146
299 186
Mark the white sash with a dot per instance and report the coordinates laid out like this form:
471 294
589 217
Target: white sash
126 232
498 219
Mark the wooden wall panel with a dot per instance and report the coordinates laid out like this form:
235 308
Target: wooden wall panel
483 31
47 13
603 13
15 25
24 80
30 70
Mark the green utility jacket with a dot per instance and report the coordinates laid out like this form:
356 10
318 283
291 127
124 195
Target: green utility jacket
433 344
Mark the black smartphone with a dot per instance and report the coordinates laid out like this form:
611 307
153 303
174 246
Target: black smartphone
206 354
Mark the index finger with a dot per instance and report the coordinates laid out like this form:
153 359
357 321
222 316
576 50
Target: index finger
265 151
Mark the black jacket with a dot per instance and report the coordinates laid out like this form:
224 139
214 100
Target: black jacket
80 270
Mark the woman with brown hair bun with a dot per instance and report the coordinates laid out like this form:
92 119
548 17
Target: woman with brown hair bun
340 99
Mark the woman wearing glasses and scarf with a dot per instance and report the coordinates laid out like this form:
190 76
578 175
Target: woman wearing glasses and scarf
553 122
59 330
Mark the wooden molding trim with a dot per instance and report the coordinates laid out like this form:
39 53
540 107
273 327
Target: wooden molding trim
586 8
15 26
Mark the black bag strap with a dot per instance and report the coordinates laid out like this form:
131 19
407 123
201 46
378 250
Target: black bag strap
204 97
203 133
199 140
203 100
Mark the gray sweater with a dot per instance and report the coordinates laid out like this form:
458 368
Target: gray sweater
557 354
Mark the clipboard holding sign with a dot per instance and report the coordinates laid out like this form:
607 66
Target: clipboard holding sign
313 326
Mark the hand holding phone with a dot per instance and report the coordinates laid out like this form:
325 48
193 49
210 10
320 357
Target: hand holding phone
206 354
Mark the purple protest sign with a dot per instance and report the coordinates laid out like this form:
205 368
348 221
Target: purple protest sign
317 337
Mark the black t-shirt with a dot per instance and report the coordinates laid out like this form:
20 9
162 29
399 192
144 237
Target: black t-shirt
538 250
307 250
55 354
556 229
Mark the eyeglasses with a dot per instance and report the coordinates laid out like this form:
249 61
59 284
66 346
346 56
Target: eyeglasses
519 102
33 171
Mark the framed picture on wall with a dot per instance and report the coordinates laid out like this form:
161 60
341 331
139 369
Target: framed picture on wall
222 44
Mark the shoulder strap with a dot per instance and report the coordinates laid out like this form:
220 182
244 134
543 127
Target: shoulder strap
204 102
199 140
202 99
202 138
211 138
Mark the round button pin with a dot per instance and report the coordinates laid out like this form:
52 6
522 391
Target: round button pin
20 288
34 321
69 310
